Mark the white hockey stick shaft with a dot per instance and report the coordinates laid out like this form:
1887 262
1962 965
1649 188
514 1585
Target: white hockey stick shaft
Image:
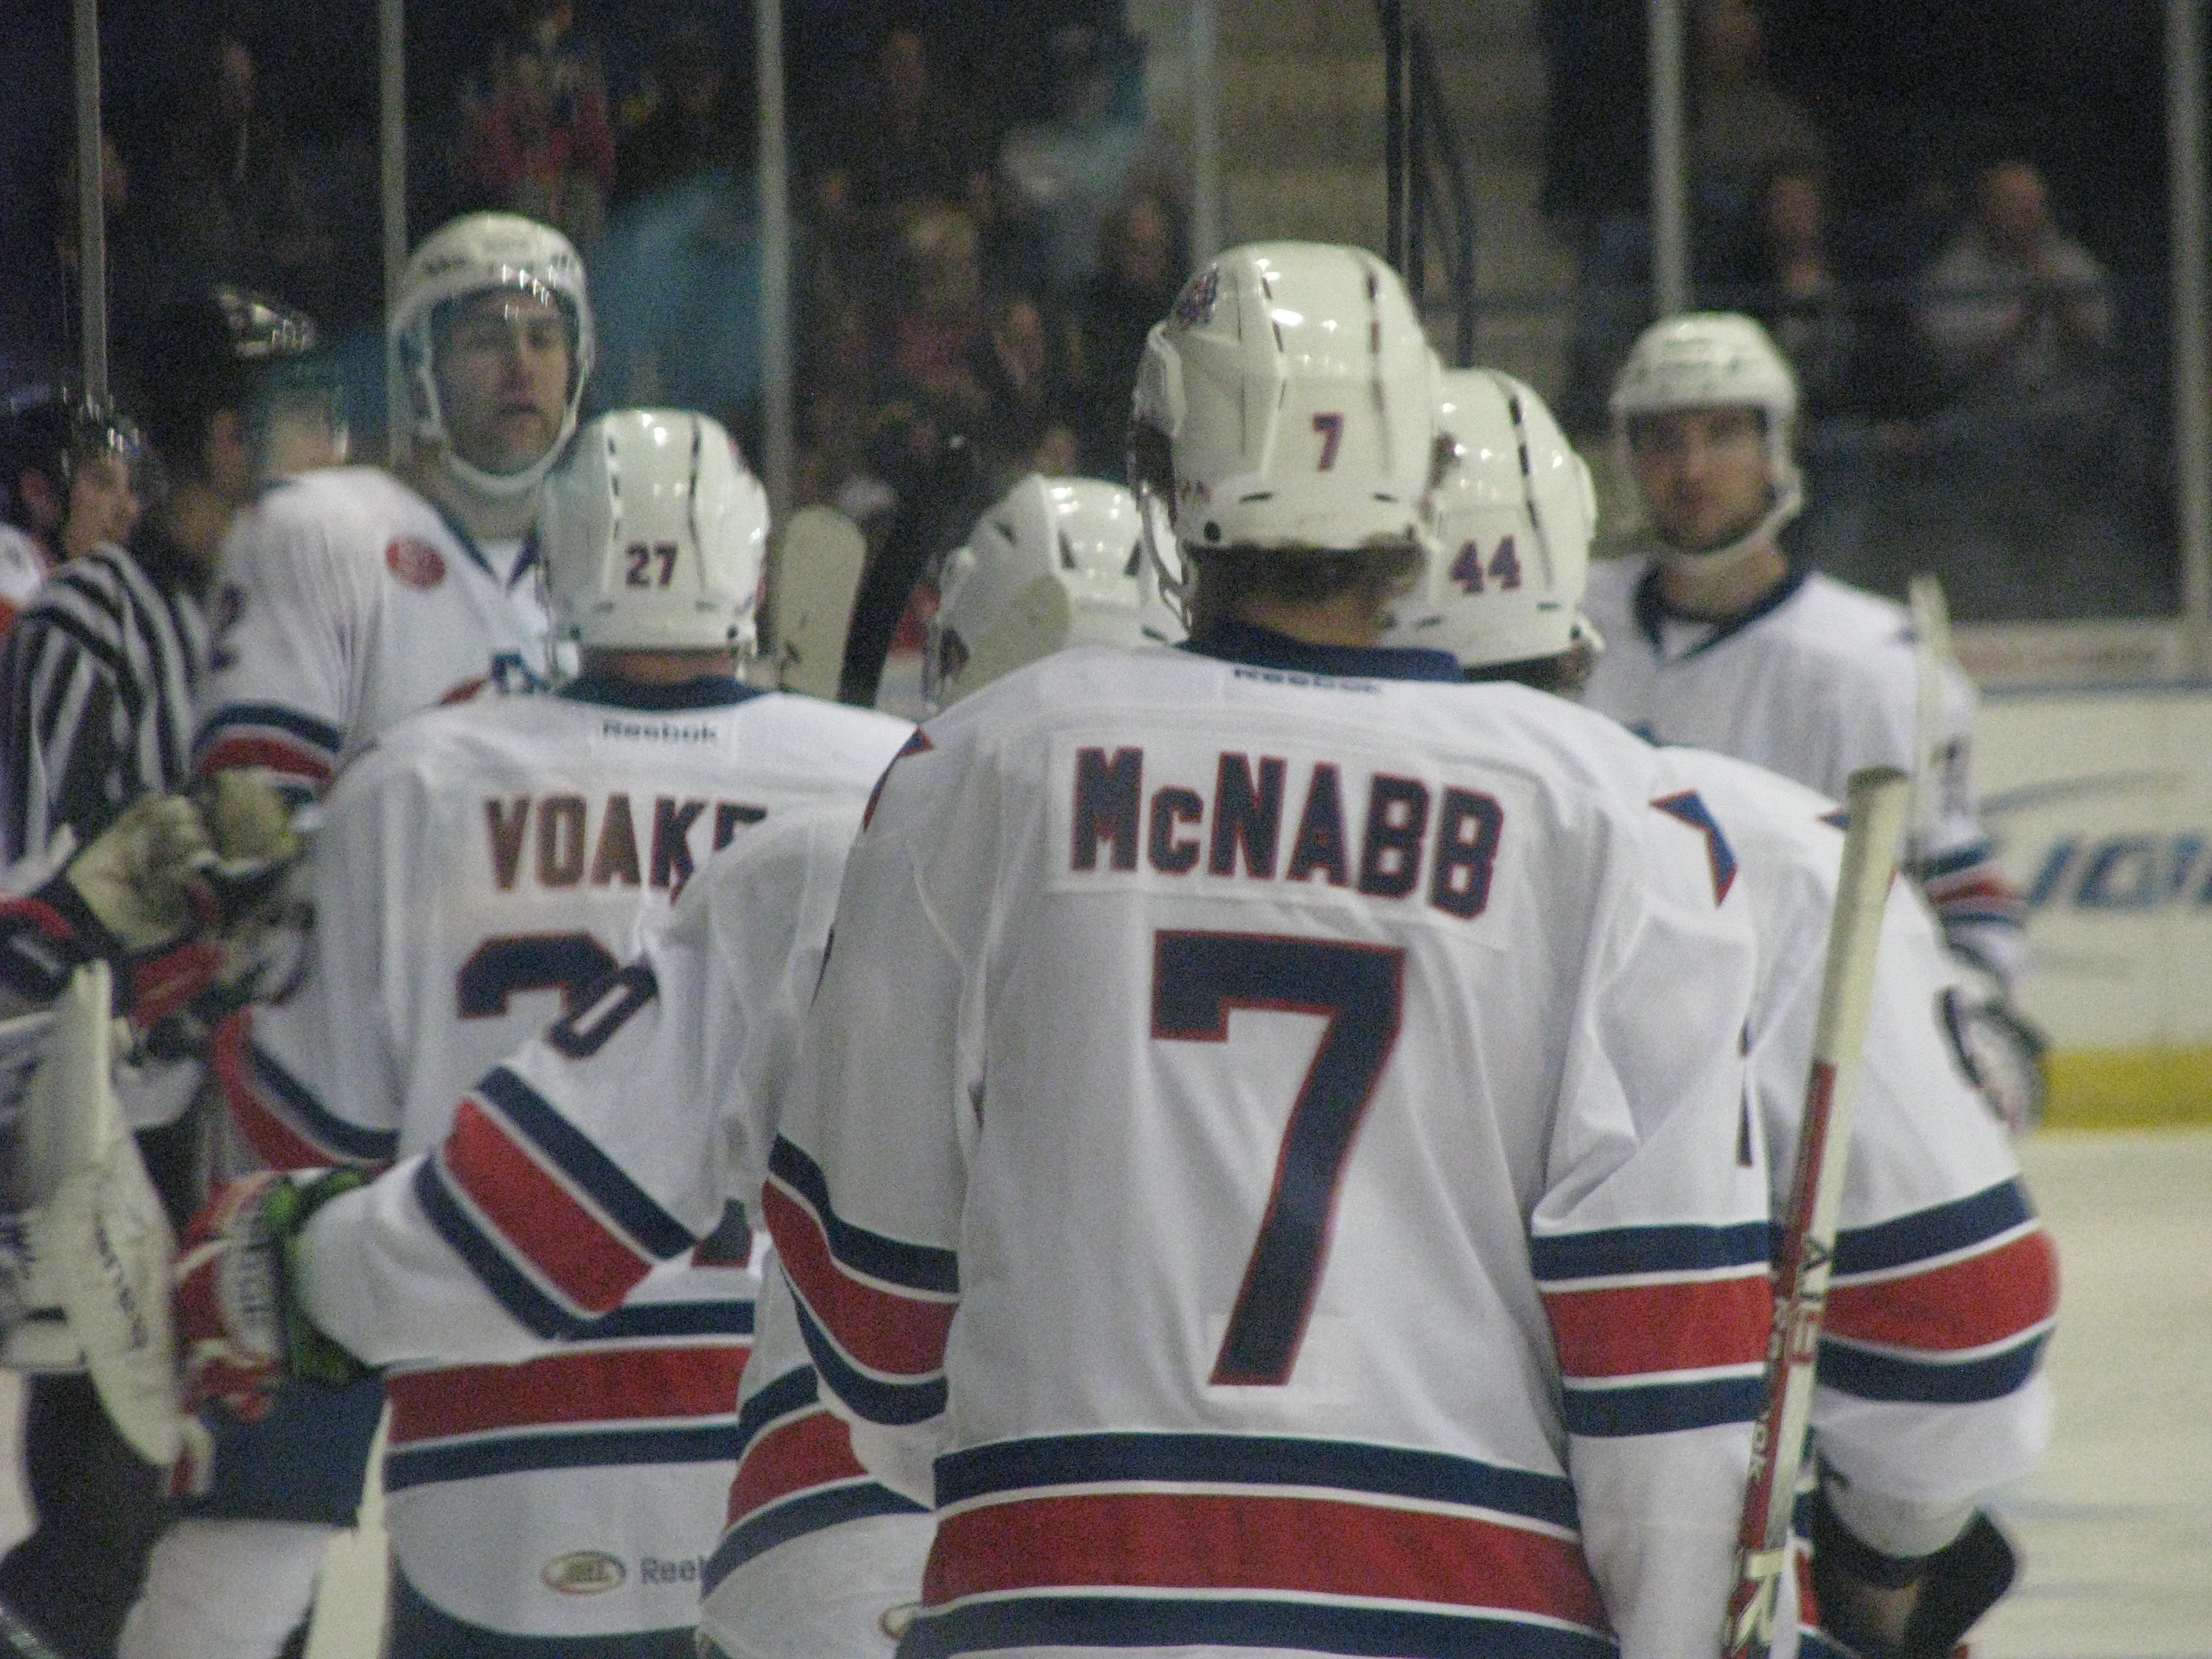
1931 661
1878 801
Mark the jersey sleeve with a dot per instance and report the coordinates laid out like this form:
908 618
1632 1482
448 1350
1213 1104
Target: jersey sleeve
279 691
867 1180
608 1143
1651 1244
317 1077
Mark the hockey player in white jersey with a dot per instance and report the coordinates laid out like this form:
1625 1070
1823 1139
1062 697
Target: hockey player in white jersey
1930 1393
480 868
353 598
1718 638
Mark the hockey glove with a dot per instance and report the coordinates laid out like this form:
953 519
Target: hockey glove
1949 1591
2002 1051
240 1330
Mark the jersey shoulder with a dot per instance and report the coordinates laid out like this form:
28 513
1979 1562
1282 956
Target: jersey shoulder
843 744
345 515
1610 600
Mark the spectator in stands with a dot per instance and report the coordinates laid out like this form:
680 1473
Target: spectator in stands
1140 267
228 202
2017 310
688 121
538 139
900 143
1061 176
1794 287
1742 123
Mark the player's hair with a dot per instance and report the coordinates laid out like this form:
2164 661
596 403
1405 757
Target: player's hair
1230 577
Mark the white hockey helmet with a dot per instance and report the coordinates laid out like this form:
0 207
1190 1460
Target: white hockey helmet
653 534
1715 360
1052 563
469 255
1510 516
1286 402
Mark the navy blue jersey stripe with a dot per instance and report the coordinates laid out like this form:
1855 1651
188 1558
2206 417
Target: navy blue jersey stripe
879 1402
730 1316
914 1266
1939 865
1871 1376
306 727
1663 1407
419 1626
1107 1621
810 1512
1931 1232
630 1206
323 1126
1392 1471
585 1449
1647 1251
794 1391
531 1308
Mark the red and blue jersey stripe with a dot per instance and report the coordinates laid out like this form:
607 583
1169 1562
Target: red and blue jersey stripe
797 1475
1946 1305
279 1116
1658 1328
1143 1540
284 740
875 1310
556 1231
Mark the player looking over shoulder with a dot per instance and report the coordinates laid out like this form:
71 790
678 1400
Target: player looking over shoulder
482 868
1931 1395
1160 979
1718 638
352 598
66 487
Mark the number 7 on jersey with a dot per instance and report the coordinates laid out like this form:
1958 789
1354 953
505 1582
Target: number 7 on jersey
1198 980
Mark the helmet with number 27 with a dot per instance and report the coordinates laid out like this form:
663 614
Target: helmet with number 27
654 533
1286 404
1510 516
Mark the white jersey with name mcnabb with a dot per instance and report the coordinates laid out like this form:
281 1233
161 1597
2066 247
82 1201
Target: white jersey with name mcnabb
480 869
350 602
1283 1071
1931 1392
1817 681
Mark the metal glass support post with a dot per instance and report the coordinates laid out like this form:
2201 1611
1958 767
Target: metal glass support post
392 187
1670 238
2192 391
91 207
1205 79
775 319
1393 131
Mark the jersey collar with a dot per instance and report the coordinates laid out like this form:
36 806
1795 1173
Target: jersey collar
1651 610
525 561
1263 647
707 691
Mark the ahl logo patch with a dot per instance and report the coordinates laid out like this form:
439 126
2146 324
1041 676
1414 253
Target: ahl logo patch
1193 306
583 1572
416 563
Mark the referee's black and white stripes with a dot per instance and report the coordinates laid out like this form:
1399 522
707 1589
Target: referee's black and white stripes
96 690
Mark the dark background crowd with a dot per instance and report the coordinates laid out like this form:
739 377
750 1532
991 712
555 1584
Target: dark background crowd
1953 219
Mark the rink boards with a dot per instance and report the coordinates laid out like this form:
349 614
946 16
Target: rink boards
2101 802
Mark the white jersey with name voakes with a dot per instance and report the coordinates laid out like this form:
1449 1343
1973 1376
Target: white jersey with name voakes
348 603
1931 1394
1815 681
480 870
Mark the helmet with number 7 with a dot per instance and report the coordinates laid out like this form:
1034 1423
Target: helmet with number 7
1286 403
1053 563
471 254
1510 516
653 534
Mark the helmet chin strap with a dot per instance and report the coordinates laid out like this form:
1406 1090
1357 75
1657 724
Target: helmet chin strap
505 487
1788 501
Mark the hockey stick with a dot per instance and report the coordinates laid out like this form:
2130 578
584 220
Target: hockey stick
1931 655
817 574
1877 798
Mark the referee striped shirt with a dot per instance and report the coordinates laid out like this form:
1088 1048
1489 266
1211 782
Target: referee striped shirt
96 686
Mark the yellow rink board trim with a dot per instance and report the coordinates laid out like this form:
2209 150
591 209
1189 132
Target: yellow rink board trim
2129 1088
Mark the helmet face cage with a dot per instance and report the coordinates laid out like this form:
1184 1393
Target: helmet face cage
1509 520
1053 563
477 254
653 535
1293 387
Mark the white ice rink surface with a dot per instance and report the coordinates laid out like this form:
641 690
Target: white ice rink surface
2117 1528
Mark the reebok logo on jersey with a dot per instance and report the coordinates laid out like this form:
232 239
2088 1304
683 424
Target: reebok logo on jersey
659 730
1389 837
597 838
417 563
